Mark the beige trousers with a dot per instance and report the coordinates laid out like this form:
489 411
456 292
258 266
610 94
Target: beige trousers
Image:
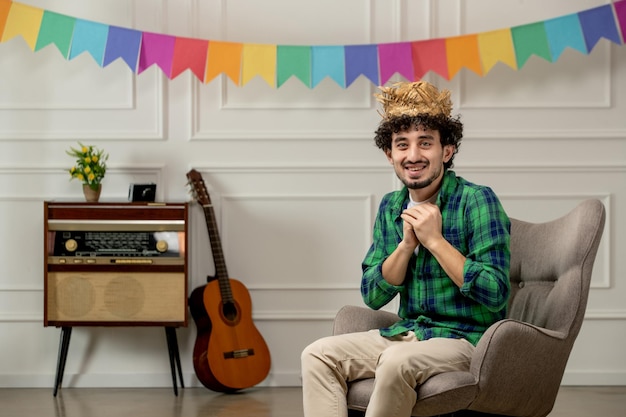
399 365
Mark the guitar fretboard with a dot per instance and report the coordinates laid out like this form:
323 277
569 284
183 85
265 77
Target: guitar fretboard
221 272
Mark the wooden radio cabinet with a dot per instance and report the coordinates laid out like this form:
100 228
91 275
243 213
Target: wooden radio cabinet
115 264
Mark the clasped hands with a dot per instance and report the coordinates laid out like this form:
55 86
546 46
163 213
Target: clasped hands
422 225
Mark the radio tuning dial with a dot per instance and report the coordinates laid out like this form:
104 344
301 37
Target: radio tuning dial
71 245
161 246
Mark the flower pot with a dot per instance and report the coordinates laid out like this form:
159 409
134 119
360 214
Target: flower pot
92 195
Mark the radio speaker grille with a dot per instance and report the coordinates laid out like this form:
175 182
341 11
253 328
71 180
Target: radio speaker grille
115 297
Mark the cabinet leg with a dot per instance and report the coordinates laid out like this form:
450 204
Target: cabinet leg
64 344
174 355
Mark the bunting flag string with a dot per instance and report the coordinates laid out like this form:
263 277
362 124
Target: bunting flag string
344 64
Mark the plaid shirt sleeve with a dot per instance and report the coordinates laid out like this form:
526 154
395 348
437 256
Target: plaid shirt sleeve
375 290
486 271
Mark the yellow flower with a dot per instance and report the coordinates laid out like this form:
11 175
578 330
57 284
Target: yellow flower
90 166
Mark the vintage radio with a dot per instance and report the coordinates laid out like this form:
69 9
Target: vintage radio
115 264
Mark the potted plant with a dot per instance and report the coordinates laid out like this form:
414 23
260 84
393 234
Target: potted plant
90 168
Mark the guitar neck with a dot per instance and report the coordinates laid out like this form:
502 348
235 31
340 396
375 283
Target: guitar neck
221 272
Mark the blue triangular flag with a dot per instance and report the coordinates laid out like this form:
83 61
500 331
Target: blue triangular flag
89 37
565 32
328 61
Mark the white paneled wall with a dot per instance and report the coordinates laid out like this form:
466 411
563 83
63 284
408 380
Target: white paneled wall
293 172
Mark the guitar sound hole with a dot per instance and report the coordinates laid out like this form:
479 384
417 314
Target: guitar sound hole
229 310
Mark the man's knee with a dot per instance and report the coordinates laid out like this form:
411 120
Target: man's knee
414 362
314 352
393 365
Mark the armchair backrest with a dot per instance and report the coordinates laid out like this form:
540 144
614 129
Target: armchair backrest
551 266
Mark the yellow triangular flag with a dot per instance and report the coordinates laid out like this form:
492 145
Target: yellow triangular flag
259 60
496 46
23 20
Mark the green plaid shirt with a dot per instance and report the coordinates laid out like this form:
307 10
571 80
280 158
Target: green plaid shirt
431 304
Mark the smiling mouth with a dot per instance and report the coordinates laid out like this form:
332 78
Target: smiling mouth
415 171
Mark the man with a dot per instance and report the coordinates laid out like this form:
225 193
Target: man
441 244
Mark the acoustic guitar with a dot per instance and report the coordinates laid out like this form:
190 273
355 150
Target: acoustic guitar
229 353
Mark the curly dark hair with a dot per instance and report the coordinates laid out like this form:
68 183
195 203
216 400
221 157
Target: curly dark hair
450 130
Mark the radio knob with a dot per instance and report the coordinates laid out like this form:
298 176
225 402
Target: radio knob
71 245
161 246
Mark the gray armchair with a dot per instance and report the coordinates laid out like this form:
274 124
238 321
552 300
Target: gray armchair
519 363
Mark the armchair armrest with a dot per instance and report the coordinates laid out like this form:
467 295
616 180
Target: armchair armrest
537 358
350 319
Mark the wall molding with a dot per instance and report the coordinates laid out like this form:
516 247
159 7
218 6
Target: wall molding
216 135
546 134
605 103
552 168
107 132
384 168
295 169
277 316
155 171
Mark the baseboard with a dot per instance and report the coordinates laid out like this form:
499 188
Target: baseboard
588 378
157 380
286 379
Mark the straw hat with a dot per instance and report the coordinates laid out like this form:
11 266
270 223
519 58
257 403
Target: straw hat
413 98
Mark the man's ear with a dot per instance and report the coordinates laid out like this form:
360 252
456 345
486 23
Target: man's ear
448 152
388 155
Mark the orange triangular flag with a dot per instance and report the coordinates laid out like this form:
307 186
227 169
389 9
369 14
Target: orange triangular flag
462 51
496 46
224 57
5 6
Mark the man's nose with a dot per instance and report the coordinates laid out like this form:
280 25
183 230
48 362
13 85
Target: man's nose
414 153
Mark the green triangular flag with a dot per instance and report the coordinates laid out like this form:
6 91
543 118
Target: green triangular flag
57 29
293 60
530 39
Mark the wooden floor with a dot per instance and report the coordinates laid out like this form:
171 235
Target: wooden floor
256 402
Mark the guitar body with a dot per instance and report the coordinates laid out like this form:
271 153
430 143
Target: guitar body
237 353
230 353
200 349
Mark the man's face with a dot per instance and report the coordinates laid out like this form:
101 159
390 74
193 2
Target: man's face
418 157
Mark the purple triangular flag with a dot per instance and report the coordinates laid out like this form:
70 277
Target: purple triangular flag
395 58
620 12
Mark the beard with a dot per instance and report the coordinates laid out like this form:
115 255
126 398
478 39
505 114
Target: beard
416 184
